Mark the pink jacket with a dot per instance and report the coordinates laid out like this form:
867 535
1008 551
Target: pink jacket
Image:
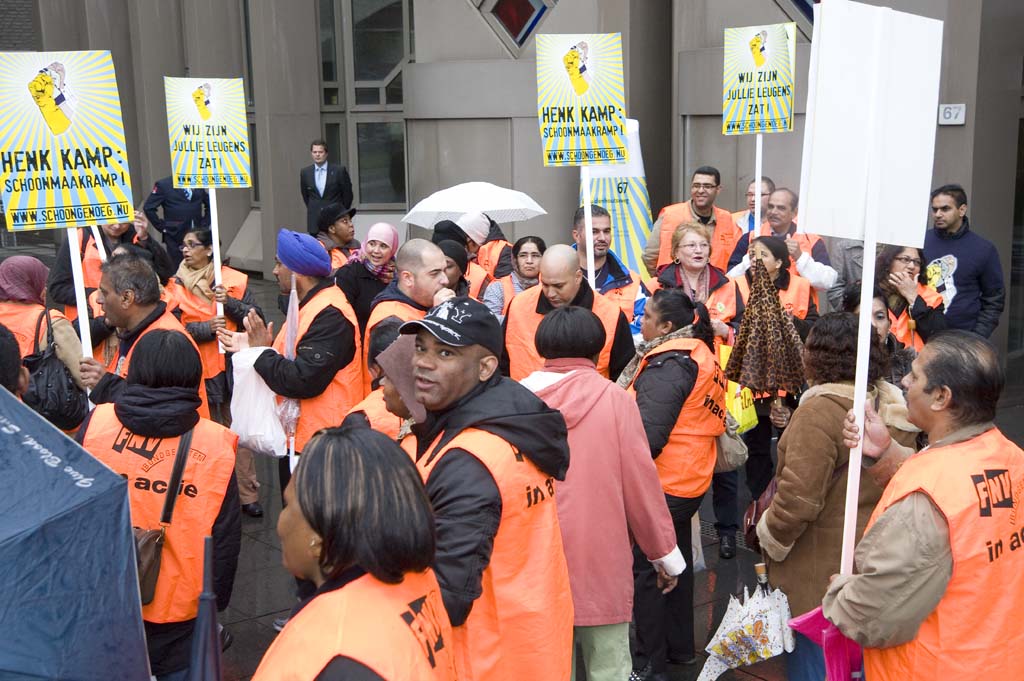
610 492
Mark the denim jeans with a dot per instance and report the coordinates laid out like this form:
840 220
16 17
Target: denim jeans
806 662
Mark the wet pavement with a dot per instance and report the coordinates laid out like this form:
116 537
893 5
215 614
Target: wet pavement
264 592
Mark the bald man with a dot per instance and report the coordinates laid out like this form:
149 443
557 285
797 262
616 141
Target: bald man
419 284
562 283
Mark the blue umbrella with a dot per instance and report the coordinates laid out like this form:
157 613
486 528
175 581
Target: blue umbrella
69 593
204 662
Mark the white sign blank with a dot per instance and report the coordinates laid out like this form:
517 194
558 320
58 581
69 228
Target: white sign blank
871 109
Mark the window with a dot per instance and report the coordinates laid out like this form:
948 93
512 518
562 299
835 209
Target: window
514 21
331 78
381 45
381 161
247 31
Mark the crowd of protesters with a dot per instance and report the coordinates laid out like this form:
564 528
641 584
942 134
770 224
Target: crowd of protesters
499 461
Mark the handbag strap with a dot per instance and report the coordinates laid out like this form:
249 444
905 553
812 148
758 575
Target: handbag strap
180 458
49 327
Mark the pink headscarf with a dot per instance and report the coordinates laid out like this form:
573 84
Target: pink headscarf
23 279
385 233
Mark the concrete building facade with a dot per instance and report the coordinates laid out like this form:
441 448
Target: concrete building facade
416 95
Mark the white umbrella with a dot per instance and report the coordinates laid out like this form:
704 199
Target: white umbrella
500 204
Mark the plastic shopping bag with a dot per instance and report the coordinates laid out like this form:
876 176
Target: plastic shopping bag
739 401
254 408
696 546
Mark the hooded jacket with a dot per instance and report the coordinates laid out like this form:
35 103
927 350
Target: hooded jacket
610 494
392 292
465 497
166 413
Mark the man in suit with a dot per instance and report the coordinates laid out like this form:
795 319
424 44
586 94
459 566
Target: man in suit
323 183
183 209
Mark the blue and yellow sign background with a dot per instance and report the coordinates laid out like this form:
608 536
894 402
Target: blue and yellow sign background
63 161
581 99
207 132
757 81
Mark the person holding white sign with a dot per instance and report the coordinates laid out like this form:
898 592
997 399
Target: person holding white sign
940 567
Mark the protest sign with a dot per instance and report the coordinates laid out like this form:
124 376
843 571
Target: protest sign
855 147
581 99
63 161
622 191
757 79
207 131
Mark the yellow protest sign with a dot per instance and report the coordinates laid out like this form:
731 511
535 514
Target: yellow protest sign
63 161
207 131
757 81
581 99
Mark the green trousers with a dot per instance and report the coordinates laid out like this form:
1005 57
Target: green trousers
605 651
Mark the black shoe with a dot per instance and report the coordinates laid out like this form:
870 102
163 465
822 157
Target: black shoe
687 660
727 546
226 639
253 510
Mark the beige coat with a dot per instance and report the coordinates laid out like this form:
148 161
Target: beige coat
802 530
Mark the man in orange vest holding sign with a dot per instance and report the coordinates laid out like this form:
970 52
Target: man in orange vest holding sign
129 295
704 189
941 565
490 452
326 375
562 283
613 279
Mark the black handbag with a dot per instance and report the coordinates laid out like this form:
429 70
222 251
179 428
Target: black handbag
51 390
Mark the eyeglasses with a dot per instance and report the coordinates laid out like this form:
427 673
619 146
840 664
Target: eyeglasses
189 245
750 195
696 246
907 260
706 187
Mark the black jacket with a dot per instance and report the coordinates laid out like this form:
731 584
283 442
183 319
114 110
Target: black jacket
360 287
622 349
326 348
181 214
165 413
60 287
337 189
465 497
662 389
927 320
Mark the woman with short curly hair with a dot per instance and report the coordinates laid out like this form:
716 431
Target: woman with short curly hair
802 530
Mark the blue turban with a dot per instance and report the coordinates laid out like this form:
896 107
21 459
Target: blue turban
302 254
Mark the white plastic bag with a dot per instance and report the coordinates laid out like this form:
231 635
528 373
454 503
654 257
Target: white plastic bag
254 408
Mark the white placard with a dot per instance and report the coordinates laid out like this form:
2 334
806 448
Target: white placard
952 114
846 138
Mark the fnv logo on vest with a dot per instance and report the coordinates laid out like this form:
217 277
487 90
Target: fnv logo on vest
425 625
143 446
995 490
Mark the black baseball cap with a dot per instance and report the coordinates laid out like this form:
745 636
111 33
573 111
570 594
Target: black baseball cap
461 322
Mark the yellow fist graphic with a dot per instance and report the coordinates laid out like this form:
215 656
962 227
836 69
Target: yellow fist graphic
42 90
574 62
199 96
757 48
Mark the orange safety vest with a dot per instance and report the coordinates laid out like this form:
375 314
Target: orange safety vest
338 257
380 312
490 253
625 297
508 291
195 309
521 327
478 279
521 624
723 241
381 420
146 463
687 461
795 299
904 328
400 631
972 631
21 319
166 322
345 389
